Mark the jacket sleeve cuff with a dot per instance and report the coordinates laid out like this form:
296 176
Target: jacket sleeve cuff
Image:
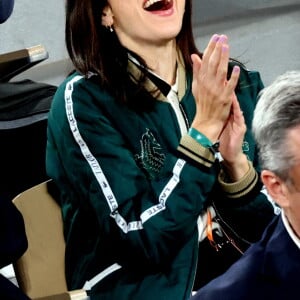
239 188
190 148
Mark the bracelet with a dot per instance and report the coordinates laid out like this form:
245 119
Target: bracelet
200 138
204 141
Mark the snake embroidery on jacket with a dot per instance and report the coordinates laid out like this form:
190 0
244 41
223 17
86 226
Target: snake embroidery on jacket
151 157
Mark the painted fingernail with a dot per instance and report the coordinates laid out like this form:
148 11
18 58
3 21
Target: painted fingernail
225 48
223 38
236 69
215 37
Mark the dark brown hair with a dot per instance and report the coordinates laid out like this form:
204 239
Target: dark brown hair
93 48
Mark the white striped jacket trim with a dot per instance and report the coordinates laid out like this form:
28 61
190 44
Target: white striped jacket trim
103 182
91 283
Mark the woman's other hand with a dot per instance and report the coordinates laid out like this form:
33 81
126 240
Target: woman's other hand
231 142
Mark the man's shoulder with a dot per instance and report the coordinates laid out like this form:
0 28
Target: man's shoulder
258 269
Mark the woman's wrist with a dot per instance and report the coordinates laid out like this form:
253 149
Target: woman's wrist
236 169
203 140
209 129
200 137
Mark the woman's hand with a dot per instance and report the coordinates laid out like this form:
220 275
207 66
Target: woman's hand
231 142
214 94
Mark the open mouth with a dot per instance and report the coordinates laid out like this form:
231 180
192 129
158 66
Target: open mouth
156 5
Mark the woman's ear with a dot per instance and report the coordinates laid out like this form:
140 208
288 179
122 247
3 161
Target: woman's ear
276 188
107 17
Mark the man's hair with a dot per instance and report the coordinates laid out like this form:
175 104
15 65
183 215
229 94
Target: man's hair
277 111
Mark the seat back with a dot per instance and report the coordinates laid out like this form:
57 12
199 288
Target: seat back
41 270
24 108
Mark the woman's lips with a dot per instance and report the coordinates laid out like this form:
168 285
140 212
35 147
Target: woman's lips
158 5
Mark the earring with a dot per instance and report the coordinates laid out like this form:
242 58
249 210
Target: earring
107 20
110 28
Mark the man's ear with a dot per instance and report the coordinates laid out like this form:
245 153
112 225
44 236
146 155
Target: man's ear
107 17
276 188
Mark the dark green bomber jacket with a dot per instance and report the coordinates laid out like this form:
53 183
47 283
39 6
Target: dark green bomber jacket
132 188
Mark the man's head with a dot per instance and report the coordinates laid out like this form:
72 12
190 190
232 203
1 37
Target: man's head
276 128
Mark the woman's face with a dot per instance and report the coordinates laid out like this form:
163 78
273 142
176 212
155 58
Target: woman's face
140 23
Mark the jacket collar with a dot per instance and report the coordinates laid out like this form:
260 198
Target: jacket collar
153 83
289 229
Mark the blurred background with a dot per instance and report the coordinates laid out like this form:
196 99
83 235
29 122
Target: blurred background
264 34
